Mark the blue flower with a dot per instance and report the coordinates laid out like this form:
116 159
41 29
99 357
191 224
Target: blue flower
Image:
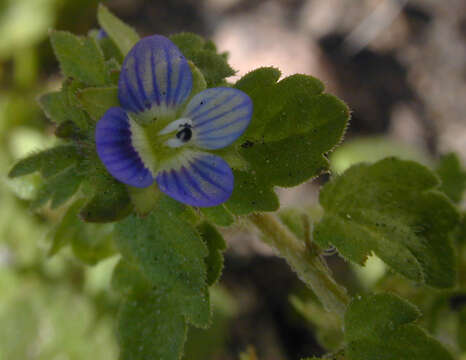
163 133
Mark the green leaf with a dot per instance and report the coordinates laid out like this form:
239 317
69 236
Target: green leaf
219 215
150 327
295 159
122 35
260 85
216 245
96 101
80 58
111 204
388 332
452 176
93 243
58 109
66 229
49 162
391 208
128 280
59 188
213 66
250 194
171 254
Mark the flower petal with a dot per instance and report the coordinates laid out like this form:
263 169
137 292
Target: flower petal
115 149
197 179
219 116
154 74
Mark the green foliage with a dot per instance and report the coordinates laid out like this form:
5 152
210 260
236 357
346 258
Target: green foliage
59 188
292 127
381 326
204 55
58 109
250 194
48 162
122 35
80 59
171 254
219 215
452 176
150 327
111 204
96 101
216 245
391 208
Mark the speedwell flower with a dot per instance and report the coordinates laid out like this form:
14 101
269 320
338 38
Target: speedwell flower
164 133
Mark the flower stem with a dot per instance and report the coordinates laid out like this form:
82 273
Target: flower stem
305 263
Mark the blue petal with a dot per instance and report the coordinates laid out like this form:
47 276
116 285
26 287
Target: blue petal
114 147
219 116
198 179
154 74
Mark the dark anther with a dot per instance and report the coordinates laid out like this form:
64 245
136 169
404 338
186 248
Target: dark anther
247 144
185 133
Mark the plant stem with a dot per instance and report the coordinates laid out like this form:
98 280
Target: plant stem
305 263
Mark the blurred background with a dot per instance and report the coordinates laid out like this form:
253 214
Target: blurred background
401 67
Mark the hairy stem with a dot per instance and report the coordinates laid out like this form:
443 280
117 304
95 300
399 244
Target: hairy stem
305 263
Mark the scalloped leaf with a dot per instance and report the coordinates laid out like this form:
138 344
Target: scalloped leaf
381 327
391 208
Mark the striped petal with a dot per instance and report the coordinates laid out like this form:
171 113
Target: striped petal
114 147
155 75
219 116
197 179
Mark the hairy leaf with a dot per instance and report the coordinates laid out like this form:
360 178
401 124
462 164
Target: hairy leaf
58 109
381 327
80 58
171 254
49 162
391 208
250 194
150 327
124 36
